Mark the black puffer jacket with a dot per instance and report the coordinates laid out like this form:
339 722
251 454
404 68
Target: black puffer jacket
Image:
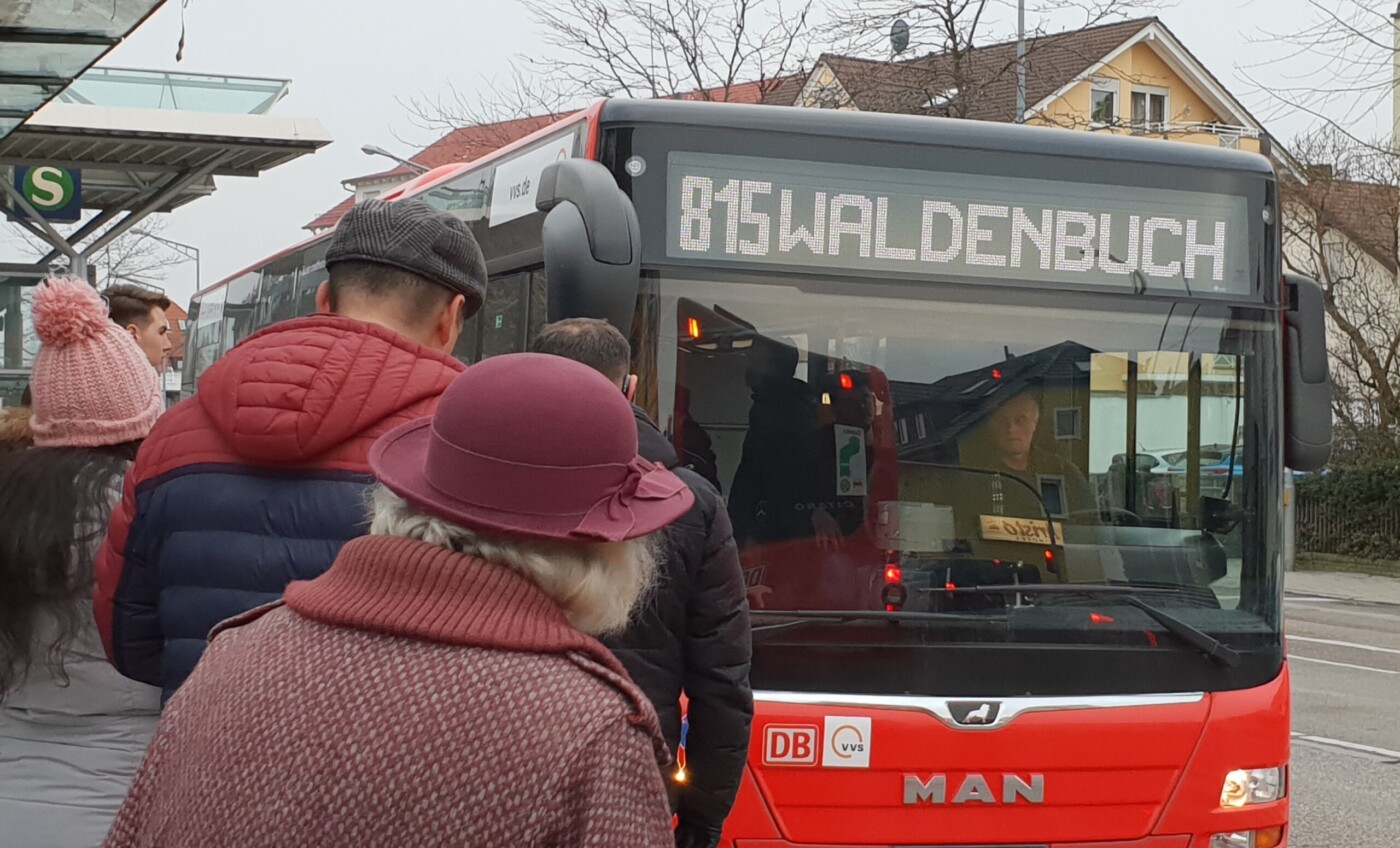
694 636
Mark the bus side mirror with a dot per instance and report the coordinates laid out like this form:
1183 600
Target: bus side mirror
592 243
1307 384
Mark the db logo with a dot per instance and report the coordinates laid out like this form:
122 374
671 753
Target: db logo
790 744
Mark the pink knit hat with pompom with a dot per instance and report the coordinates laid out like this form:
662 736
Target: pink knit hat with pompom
92 384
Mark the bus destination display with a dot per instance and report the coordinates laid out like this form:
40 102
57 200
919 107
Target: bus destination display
860 218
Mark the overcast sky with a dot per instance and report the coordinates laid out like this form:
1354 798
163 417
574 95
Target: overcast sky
350 60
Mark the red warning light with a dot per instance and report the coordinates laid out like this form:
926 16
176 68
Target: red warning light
692 326
950 586
1100 618
1050 565
996 373
893 574
847 383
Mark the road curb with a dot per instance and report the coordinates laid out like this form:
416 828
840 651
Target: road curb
1301 594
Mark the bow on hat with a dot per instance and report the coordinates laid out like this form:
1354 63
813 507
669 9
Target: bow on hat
611 519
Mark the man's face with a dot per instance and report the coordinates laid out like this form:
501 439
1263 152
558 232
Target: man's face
154 338
1013 427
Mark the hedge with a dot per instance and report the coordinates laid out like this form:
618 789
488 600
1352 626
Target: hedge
1352 511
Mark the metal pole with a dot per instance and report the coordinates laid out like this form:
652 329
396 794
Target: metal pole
1020 61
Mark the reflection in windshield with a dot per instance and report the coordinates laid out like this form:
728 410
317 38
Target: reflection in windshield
881 452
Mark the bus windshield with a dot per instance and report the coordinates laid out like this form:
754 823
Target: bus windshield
892 447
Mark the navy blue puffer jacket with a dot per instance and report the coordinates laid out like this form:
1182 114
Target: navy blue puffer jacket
253 483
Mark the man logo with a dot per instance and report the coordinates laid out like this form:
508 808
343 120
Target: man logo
790 745
974 713
975 789
846 742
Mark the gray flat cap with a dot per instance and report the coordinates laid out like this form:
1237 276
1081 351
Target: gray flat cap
413 236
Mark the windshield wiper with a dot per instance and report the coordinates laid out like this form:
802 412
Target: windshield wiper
1213 648
799 618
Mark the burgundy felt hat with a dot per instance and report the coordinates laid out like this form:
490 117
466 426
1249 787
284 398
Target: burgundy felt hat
532 444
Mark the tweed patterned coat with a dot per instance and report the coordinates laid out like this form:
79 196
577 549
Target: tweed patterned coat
409 697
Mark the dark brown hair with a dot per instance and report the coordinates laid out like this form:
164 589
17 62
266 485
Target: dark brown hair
592 341
128 304
54 506
417 298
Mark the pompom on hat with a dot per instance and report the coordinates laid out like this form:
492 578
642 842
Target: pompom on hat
92 384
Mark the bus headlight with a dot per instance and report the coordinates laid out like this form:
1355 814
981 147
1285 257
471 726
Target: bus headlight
1252 786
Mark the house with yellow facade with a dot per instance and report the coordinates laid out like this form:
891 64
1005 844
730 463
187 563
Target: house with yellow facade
1133 77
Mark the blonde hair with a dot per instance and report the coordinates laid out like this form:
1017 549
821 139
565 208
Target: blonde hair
597 584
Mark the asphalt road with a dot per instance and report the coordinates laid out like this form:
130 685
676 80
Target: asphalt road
1344 656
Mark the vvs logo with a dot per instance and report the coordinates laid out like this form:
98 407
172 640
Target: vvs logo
846 742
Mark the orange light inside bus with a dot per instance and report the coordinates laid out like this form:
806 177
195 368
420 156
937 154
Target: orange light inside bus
692 327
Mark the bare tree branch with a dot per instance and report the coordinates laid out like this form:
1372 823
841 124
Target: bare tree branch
1340 229
1338 68
633 48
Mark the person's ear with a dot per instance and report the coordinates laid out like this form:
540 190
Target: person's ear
323 299
630 386
449 326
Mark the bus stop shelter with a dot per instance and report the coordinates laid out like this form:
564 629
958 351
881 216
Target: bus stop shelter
46 44
139 160
121 144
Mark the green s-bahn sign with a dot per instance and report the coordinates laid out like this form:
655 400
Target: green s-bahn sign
55 193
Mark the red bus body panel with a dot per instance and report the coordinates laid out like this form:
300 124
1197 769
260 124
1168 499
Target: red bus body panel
1147 776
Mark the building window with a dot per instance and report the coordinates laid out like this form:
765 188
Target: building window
1150 110
903 432
1052 492
920 426
1067 423
1103 105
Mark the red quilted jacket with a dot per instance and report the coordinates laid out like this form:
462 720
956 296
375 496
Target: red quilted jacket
254 482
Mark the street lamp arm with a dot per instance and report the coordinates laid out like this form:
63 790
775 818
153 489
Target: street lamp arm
375 150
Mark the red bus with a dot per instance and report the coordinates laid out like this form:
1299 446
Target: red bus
926 362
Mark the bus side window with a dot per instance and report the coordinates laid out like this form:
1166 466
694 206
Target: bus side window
539 305
503 315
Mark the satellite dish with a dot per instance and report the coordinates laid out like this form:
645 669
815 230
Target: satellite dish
899 36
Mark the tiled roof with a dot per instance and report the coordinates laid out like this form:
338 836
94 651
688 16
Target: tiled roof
175 314
1366 213
745 92
986 75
